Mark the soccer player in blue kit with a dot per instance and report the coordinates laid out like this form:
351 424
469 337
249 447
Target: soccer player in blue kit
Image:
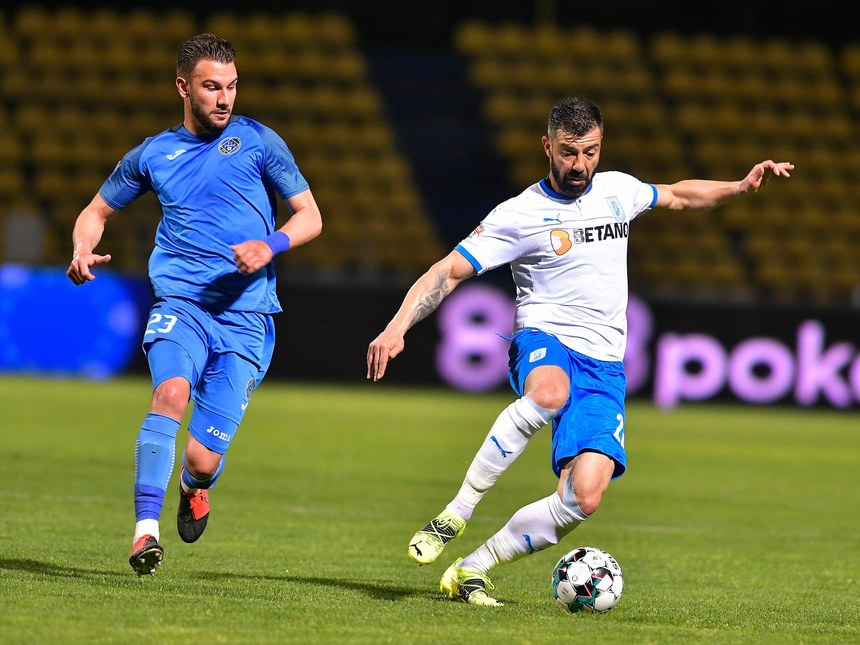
565 239
210 334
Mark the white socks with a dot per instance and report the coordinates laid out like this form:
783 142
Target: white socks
532 528
505 442
146 527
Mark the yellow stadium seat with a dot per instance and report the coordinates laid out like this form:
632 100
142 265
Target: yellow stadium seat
849 60
9 52
335 31
32 23
473 38
669 49
297 31
227 25
509 41
347 67
548 40
177 26
11 182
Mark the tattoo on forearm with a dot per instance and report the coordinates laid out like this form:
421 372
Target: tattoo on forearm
430 301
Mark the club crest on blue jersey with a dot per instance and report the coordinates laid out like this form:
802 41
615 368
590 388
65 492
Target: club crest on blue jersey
615 207
229 145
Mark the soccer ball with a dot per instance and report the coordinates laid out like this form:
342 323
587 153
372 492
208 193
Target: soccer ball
587 579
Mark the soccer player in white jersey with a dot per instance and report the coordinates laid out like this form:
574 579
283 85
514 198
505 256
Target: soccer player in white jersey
565 239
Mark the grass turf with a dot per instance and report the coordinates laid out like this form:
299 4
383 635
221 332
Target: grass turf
732 524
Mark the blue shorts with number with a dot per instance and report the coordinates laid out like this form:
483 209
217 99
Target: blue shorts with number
224 357
592 419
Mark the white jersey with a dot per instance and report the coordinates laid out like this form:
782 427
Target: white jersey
568 258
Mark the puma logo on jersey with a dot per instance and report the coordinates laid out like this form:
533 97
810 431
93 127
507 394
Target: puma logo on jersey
176 154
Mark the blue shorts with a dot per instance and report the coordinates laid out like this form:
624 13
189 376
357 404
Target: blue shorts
593 418
224 357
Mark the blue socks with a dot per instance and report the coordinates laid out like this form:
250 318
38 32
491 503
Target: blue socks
154 454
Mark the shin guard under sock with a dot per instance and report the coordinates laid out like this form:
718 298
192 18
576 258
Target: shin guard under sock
154 454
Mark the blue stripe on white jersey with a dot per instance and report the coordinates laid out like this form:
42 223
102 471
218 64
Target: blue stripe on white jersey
471 258
215 191
654 198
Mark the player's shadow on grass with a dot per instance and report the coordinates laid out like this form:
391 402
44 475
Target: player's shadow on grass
54 570
375 590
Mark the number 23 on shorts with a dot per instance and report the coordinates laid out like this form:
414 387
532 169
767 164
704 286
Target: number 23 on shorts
160 324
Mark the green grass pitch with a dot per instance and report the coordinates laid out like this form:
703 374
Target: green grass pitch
733 524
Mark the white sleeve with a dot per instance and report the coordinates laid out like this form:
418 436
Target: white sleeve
644 197
494 242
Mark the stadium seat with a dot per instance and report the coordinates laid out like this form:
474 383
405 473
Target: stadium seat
335 32
473 38
11 182
32 22
228 25
9 51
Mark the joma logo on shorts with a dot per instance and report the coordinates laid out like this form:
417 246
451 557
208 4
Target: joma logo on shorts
218 434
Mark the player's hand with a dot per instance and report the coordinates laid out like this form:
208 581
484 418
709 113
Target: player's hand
79 270
762 172
251 256
385 347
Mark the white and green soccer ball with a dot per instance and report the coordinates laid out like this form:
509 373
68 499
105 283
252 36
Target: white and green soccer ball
587 579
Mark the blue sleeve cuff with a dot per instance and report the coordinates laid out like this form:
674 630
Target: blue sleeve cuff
278 242
471 258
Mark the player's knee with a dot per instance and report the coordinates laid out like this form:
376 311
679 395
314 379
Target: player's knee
582 498
171 397
581 504
589 501
202 463
550 395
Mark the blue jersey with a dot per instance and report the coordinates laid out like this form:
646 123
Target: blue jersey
215 190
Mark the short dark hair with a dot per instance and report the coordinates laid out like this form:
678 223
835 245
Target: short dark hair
203 47
575 116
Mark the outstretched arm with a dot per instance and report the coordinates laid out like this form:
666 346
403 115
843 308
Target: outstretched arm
304 224
704 193
88 231
420 301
